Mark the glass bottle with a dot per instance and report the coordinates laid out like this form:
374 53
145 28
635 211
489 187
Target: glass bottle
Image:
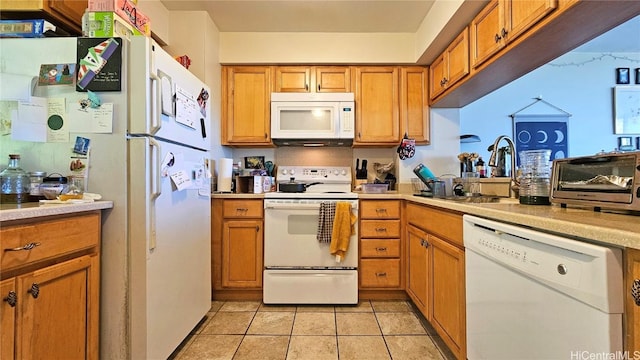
15 182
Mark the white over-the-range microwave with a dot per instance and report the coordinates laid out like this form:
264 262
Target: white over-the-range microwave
312 119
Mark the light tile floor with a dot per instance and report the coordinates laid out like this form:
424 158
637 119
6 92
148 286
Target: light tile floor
250 330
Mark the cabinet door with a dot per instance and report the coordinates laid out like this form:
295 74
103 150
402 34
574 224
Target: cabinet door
438 73
448 312
246 113
458 58
419 263
71 9
55 310
485 32
414 104
242 254
377 115
333 79
7 318
521 15
632 300
293 79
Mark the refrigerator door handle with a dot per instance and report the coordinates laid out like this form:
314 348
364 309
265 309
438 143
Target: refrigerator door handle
155 190
155 124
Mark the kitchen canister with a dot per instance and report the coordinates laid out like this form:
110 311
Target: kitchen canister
225 174
534 179
36 178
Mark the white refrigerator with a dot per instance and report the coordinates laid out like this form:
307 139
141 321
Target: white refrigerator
156 252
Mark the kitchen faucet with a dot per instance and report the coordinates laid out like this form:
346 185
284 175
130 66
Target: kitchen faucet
515 185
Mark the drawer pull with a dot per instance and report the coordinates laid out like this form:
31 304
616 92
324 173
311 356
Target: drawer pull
27 247
11 298
384 211
381 249
381 229
381 274
34 290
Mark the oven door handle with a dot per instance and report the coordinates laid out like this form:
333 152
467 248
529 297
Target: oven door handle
292 207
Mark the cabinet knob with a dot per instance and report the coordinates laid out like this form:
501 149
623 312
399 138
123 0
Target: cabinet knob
306 87
504 32
11 298
34 290
318 87
635 291
424 243
27 247
257 228
497 38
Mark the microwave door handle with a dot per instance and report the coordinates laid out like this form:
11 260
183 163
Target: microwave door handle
591 159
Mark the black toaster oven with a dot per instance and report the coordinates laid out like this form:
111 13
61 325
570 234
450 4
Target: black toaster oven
602 181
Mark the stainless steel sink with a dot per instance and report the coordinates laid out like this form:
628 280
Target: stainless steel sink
478 199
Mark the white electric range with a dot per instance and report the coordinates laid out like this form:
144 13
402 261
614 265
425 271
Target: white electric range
299 268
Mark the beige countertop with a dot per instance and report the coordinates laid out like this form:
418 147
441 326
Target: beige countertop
600 227
10 212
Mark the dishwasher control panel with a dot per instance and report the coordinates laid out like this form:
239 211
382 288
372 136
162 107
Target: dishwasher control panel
540 260
577 268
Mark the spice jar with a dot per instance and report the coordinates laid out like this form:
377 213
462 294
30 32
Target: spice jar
36 178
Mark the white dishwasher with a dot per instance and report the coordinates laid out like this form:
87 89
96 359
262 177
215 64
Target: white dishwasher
533 295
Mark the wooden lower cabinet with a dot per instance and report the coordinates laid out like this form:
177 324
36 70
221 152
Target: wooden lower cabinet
242 253
380 245
236 249
632 300
435 271
50 291
448 314
419 269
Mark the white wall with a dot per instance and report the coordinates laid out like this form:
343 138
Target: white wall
578 83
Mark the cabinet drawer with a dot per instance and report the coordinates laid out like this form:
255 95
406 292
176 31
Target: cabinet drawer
47 239
443 223
380 209
242 209
377 273
379 228
380 248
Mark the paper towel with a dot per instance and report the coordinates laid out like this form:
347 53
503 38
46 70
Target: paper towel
225 173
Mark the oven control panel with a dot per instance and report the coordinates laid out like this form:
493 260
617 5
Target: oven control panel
340 174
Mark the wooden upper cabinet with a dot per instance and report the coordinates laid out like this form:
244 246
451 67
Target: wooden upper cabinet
485 32
502 21
377 103
451 66
333 79
524 14
414 109
293 79
71 9
246 110
63 13
312 79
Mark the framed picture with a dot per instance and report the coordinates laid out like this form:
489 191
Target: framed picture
625 143
254 162
626 102
623 76
637 75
